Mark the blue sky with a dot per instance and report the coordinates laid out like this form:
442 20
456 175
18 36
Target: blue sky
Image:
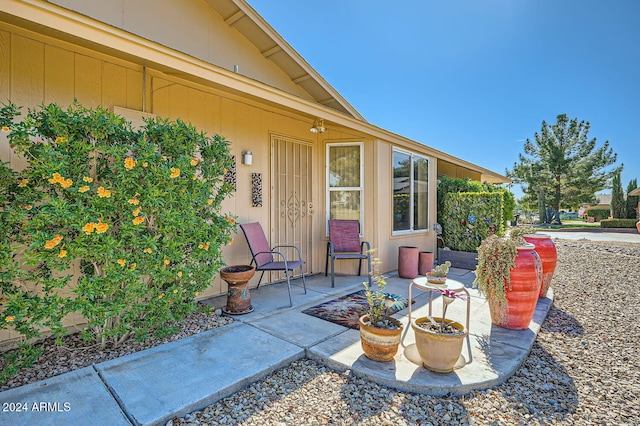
474 78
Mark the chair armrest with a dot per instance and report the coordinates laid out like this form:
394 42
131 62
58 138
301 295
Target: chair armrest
363 245
294 247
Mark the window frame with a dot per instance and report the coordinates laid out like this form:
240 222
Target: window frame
330 189
412 157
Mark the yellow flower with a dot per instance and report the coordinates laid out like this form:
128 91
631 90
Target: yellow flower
167 261
175 172
63 253
209 201
195 293
138 220
60 139
66 183
132 266
136 212
145 164
89 227
129 163
87 179
175 290
84 188
23 183
194 161
179 273
134 201
53 242
56 178
104 193
121 262
230 241
5 128
194 177
148 250
10 318
26 206
101 228
161 295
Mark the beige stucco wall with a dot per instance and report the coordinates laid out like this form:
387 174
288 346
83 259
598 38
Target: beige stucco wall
36 69
191 27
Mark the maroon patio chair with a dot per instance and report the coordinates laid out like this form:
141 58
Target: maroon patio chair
263 255
344 243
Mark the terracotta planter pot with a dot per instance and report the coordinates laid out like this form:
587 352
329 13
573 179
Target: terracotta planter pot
526 280
432 279
546 249
638 226
379 344
238 296
407 262
439 352
425 262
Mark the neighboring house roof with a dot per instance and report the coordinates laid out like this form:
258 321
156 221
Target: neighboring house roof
603 199
49 19
635 192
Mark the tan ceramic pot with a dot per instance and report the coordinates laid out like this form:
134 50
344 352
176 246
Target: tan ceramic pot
439 352
379 344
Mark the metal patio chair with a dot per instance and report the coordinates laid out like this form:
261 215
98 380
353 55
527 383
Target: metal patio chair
263 255
344 243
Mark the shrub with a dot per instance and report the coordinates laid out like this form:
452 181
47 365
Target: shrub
599 214
471 217
121 226
618 223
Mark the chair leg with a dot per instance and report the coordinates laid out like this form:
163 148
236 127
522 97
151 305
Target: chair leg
333 284
326 261
360 267
286 272
260 280
304 282
369 269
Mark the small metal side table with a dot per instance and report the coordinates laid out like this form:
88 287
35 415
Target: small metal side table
421 283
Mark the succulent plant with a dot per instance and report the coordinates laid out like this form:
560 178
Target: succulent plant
441 270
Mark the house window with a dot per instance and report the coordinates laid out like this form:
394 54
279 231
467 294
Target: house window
410 192
345 182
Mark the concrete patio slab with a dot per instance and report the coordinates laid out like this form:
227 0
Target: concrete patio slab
68 399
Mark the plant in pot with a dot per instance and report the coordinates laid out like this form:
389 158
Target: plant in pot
380 334
438 275
509 275
439 340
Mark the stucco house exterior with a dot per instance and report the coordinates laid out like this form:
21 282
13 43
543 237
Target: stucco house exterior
221 66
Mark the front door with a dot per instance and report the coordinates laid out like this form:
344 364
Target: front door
291 199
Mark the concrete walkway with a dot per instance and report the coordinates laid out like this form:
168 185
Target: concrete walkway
155 385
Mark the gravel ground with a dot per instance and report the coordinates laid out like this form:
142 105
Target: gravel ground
584 368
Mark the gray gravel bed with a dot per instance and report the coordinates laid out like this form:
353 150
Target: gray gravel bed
584 368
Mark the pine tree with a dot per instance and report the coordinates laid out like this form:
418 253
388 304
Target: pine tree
618 204
562 163
632 200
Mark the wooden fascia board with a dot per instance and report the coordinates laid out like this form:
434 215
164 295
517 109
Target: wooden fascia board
69 26
286 47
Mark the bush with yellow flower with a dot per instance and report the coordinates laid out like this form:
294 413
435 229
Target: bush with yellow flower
137 212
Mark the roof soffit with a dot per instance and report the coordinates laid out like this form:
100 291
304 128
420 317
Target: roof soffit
241 16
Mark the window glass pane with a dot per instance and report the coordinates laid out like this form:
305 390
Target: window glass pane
344 166
420 193
401 191
344 205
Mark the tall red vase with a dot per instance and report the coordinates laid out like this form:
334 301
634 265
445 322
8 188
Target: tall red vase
526 280
546 249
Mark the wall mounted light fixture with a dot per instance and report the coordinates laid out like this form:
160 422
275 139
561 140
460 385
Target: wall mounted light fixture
247 158
318 126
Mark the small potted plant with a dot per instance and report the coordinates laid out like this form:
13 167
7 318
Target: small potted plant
438 275
380 334
438 340
509 275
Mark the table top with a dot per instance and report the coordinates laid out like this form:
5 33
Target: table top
422 283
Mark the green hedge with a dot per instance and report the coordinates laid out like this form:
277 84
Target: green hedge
599 214
618 223
470 217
